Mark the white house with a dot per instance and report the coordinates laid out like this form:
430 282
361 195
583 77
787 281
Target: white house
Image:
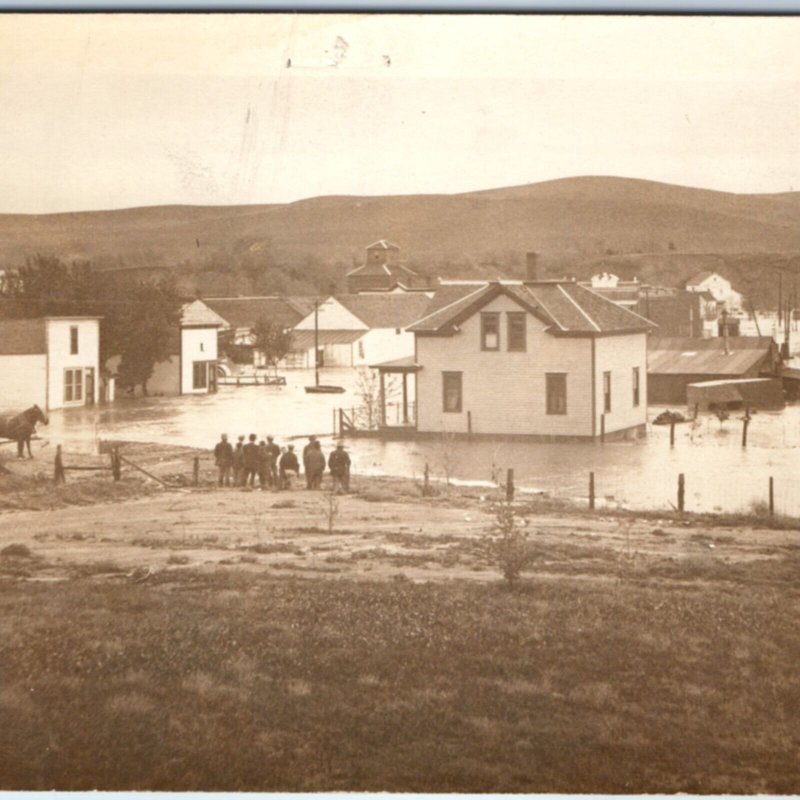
192 366
50 361
548 359
360 329
720 289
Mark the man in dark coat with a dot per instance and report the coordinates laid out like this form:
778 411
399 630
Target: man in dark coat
312 440
315 466
250 458
339 465
263 465
223 457
238 462
289 467
273 454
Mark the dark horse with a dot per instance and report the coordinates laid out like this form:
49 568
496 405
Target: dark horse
21 427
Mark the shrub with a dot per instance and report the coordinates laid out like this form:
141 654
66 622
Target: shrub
507 545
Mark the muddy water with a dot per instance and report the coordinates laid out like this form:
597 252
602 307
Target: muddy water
720 474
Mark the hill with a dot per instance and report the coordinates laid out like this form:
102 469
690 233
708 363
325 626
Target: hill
573 223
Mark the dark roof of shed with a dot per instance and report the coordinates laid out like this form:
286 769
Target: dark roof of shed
22 337
565 306
397 271
685 356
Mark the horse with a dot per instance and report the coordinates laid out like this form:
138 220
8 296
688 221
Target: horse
21 427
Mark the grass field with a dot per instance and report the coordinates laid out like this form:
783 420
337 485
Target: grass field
241 680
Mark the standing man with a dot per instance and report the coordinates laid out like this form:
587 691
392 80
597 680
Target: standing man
273 452
312 440
263 465
339 465
315 466
238 462
223 457
250 458
289 467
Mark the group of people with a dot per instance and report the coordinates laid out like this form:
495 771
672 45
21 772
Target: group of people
275 467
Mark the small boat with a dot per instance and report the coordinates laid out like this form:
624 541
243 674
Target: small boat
320 388
324 388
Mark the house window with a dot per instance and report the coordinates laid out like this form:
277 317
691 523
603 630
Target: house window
636 395
556 386
451 392
73 340
202 347
490 331
73 385
199 375
360 348
607 392
516 331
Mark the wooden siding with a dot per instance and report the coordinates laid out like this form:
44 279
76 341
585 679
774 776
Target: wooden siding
619 355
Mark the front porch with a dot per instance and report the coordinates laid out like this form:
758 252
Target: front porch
403 413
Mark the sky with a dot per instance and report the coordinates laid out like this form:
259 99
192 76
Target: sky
104 111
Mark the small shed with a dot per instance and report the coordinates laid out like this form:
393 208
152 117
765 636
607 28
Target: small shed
755 393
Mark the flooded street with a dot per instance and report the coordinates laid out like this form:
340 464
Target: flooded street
719 472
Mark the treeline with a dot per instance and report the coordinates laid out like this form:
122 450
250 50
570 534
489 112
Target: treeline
138 318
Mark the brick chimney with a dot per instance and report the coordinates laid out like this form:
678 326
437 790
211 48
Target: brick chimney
531 266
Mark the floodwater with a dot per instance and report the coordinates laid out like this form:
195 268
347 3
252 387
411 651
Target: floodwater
720 474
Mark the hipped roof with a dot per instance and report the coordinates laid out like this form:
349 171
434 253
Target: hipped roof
566 307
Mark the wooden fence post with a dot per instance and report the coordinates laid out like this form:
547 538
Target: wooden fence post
116 465
745 423
602 428
333 411
771 496
196 471
469 423
426 486
672 433
58 467
591 490
681 491
510 485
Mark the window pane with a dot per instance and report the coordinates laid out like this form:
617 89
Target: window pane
68 386
78 380
451 391
516 330
556 389
490 331
73 340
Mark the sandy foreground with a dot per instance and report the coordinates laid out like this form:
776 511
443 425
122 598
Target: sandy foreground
384 529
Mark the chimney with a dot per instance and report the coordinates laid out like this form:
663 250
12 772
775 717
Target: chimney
531 266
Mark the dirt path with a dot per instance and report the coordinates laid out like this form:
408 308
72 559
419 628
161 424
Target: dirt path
382 532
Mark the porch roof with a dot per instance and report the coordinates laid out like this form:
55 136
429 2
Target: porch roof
407 364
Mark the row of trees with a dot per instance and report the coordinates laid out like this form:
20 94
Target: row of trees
138 319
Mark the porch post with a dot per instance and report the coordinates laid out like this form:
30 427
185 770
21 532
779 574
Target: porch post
383 398
405 398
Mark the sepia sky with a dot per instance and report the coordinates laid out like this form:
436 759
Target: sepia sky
110 111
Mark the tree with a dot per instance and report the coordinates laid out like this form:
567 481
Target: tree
271 340
508 547
143 332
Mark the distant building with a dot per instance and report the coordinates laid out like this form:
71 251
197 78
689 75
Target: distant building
622 292
720 289
547 359
359 330
678 312
192 365
383 272
675 362
240 314
49 361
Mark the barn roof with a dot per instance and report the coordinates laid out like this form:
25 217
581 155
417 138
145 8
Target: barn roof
565 306
197 314
22 337
398 271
